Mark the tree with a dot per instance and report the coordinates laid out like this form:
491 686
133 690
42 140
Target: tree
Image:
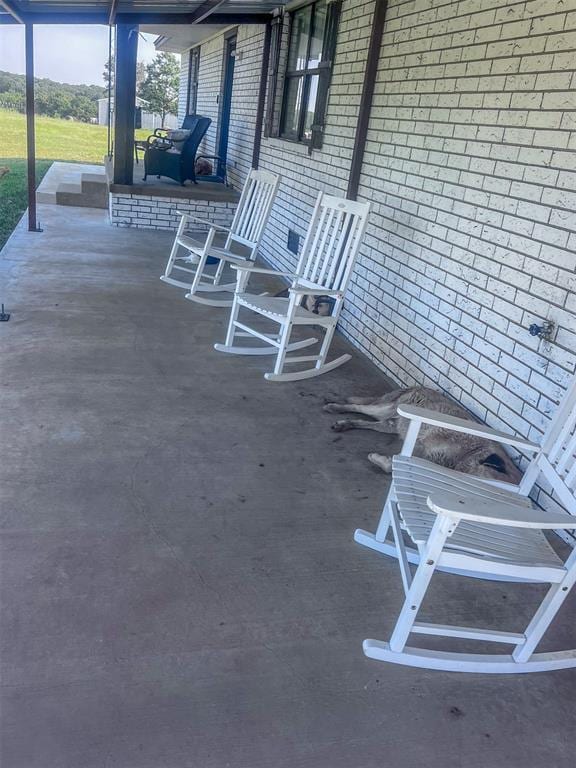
160 86
54 99
13 100
108 74
140 75
82 109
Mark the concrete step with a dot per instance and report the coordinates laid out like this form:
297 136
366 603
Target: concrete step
94 183
91 195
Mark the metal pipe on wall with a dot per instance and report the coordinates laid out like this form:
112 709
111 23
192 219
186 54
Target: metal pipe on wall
370 73
261 95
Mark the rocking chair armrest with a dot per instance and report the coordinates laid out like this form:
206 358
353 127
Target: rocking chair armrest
232 258
303 290
471 508
469 427
209 224
251 267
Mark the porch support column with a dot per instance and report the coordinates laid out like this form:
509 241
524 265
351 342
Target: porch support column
262 95
109 94
125 102
370 71
30 136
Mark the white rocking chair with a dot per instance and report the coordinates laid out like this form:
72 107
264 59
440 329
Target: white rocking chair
481 528
324 269
246 231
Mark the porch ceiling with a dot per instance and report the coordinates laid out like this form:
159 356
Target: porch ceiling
177 38
100 11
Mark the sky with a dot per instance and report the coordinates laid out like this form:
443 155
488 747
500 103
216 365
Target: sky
67 54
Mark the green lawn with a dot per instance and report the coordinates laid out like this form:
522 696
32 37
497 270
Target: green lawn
55 140
14 193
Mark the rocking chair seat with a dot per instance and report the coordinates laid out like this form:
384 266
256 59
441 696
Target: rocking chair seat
214 252
274 307
416 479
325 265
243 234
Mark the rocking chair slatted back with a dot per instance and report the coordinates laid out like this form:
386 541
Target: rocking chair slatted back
253 208
332 243
556 460
328 254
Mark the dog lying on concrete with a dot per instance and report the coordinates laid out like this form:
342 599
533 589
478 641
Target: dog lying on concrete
454 450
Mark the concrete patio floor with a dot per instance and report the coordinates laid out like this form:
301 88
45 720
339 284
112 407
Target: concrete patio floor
179 584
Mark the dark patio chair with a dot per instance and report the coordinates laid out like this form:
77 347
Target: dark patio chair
163 158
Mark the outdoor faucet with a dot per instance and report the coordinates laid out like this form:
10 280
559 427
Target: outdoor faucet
544 331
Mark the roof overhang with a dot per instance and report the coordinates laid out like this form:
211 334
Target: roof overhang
148 12
178 38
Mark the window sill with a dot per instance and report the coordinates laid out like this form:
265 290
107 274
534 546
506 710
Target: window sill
286 145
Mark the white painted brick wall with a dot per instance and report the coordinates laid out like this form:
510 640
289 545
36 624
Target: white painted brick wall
470 168
209 77
244 102
244 96
146 212
471 128
326 169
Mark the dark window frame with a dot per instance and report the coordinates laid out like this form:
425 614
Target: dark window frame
323 71
193 74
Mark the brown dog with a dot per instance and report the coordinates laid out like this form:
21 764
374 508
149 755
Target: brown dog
455 450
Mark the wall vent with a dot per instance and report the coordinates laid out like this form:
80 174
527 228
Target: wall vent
293 241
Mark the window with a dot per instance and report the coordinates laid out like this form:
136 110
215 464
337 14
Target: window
311 46
193 68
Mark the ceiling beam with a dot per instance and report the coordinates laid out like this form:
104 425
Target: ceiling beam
203 11
222 19
112 14
9 8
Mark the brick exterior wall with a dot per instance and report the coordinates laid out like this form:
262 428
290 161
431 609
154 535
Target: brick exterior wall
303 175
209 82
471 172
148 212
247 70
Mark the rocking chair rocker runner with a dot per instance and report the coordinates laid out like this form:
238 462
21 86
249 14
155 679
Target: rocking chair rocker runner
324 268
480 528
246 231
